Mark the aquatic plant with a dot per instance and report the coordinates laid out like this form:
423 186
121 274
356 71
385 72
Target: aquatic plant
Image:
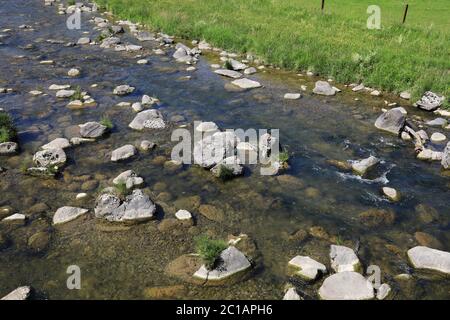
71 2
78 95
225 173
121 189
283 157
209 250
105 121
7 130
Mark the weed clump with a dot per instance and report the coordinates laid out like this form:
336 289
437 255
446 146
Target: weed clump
209 250
105 121
7 130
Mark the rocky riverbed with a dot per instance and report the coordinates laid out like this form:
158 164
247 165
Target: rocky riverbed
92 182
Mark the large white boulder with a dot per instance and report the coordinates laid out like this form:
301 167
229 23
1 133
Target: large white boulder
346 285
426 258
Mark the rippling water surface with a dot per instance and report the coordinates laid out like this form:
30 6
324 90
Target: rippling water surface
124 262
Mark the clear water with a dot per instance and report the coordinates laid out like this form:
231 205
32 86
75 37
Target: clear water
122 264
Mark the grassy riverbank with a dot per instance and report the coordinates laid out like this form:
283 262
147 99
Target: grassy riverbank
296 35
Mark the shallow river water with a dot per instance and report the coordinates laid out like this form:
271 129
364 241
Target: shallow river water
124 262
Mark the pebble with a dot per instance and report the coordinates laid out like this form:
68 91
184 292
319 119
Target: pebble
438 137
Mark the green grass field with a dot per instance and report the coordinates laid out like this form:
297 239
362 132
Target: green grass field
296 35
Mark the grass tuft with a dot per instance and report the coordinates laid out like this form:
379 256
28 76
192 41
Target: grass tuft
296 35
105 121
7 129
209 250
77 95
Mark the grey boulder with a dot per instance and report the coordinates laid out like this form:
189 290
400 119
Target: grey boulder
151 119
324 88
7 148
123 153
430 101
346 285
49 157
135 208
426 258
362 166
92 130
231 262
391 121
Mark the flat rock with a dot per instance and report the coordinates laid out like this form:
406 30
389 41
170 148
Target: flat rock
430 155
21 293
123 89
124 152
7 148
438 122
83 41
362 166
207 126
250 71
346 285
66 214
73 72
49 157
58 143
92 130
151 119
324 88
343 259
65 93
292 96
136 207
231 262
59 87
391 193
236 65
183 215
426 258
430 101
245 83
110 42
405 95
309 268
291 294
15 218
391 121
438 137
229 73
